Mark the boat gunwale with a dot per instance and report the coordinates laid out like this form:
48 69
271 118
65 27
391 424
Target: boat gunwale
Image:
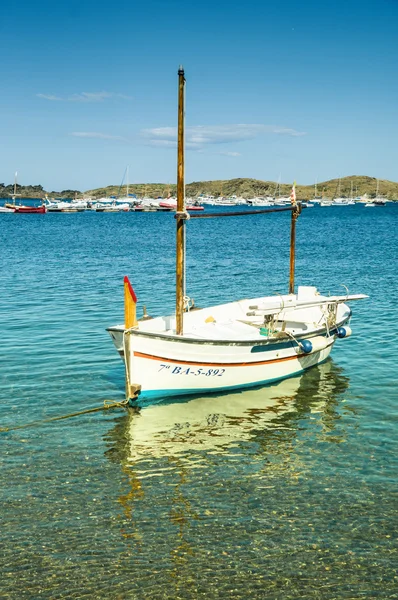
213 342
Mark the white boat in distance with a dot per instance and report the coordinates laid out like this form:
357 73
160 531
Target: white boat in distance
111 205
241 344
343 202
261 201
206 199
59 206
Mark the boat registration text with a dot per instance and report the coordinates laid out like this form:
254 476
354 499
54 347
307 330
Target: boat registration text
189 371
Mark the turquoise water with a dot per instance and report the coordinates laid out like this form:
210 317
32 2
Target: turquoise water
284 492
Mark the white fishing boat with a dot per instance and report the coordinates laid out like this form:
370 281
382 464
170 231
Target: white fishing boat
238 200
81 204
221 201
149 204
231 346
58 206
282 201
261 201
206 199
114 207
343 202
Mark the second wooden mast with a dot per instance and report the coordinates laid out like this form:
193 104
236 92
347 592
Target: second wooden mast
181 214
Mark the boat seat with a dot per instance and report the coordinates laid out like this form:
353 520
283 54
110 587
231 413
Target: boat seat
228 330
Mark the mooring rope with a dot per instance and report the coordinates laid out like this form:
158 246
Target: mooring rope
106 406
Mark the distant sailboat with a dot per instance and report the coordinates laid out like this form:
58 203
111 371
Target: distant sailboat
325 201
317 199
14 195
124 203
378 200
340 201
18 208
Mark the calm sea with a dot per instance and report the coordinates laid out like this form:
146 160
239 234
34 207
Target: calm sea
284 492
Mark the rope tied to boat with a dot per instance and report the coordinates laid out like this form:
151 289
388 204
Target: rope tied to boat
299 346
126 367
108 404
132 389
188 303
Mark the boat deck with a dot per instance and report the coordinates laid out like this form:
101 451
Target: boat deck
273 318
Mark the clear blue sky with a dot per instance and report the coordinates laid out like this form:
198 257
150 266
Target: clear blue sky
301 90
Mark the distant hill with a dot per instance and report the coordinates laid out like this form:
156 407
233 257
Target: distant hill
245 188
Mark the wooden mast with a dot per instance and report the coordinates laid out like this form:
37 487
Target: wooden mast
295 213
181 213
292 250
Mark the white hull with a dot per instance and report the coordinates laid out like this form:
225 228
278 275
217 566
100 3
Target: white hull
164 368
226 347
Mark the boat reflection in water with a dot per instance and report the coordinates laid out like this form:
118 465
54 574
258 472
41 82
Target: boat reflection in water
212 423
198 476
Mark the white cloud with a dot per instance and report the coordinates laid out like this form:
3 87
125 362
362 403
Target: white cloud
48 97
198 137
201 135
84 97
98 135
231 153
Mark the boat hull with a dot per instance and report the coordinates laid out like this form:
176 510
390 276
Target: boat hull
34 210
162 368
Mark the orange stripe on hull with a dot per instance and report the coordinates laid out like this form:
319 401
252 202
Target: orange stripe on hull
206 364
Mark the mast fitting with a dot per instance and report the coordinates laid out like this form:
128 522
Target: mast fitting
182 215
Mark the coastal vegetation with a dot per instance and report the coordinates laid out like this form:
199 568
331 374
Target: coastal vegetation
34 191
358 185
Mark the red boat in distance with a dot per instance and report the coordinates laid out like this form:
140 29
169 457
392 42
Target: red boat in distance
30 209
173 206
192 207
